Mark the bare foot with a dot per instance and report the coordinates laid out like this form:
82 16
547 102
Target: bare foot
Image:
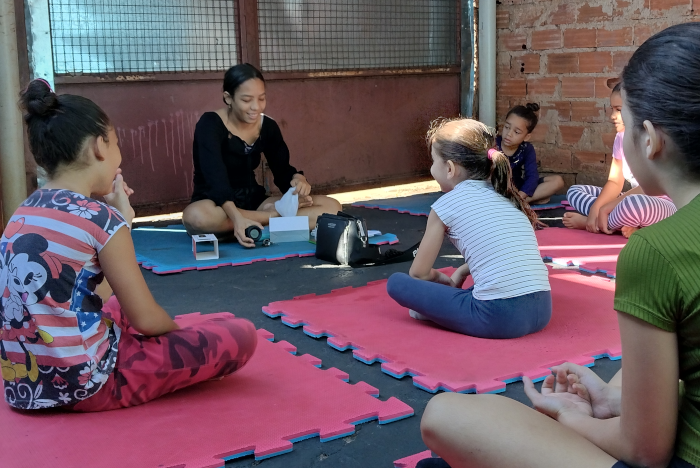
574 220
542 201
627 231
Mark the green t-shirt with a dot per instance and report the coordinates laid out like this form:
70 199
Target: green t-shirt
658 281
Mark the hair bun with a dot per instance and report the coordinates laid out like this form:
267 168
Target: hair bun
38 100
533 106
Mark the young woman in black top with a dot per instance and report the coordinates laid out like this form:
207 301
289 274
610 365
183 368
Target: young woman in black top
226 150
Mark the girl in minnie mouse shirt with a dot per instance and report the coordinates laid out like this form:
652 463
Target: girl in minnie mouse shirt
62 253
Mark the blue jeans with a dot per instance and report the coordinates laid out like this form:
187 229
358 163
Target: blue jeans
457 310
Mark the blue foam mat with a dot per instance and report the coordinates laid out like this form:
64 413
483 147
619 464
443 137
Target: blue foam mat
169 250
419 205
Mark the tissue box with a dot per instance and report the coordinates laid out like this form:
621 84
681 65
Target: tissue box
205 239
289 229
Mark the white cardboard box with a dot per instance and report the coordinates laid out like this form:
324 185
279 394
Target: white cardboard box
289 229
205 239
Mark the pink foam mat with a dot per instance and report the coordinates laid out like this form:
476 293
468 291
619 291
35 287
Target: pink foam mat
275 400
412 461
592 253
365 319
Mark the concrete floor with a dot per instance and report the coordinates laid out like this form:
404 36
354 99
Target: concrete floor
244 290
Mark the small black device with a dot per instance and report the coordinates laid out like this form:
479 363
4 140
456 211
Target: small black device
253 232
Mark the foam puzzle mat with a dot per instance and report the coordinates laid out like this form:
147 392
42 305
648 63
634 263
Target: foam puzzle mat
419 205
365 319
277 399
169 250
592 253
412 460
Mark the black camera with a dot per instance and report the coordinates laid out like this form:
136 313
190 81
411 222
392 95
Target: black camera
253 232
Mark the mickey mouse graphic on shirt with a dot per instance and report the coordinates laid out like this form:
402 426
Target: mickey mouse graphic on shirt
29 273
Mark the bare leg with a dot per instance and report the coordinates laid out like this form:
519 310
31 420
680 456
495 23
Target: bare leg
204 217
494 431
550 186
321 204
575 220
616 379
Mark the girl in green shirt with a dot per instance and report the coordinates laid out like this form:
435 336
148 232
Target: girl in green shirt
652 417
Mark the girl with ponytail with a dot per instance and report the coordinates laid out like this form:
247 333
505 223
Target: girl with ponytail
76 311
485 218
648 414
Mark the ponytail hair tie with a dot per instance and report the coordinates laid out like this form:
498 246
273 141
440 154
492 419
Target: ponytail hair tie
45 82
491 152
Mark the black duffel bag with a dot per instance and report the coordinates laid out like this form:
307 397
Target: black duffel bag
342 239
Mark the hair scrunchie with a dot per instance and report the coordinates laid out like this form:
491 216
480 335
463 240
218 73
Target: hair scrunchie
490 153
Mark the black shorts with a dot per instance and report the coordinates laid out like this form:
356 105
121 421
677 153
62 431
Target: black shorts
248 198
675 463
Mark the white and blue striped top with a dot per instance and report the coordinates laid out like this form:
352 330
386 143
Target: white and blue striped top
495 238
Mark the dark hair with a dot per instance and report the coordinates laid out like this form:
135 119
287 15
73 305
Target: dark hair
661 86
239 74
617 88
58 126
468 143
527 112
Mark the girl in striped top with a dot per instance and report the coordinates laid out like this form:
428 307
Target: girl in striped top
490 224
649 413
62 253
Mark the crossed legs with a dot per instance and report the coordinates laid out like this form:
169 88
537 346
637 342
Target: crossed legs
203 216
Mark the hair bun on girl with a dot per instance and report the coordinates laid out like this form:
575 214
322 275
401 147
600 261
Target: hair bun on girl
533 106
39 100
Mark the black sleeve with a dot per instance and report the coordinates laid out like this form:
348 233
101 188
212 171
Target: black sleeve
208 138
277 154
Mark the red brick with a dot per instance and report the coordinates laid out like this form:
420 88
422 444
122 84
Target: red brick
588 158
528 17
621 4
577 87
546 39
512 87
587 111
579 38
601 88
667 4
502 19
565 14
594 62
527 63
587 14
562 108
642 32
615 38
539 134
502 108
512 41
562 63
608 140
542 86
571 135
556 160
620 59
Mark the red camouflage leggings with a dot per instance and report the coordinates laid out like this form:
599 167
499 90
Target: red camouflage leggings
207 347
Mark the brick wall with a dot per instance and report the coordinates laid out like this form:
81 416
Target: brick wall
559 53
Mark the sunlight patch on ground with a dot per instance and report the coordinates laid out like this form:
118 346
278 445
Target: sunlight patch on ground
346 198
